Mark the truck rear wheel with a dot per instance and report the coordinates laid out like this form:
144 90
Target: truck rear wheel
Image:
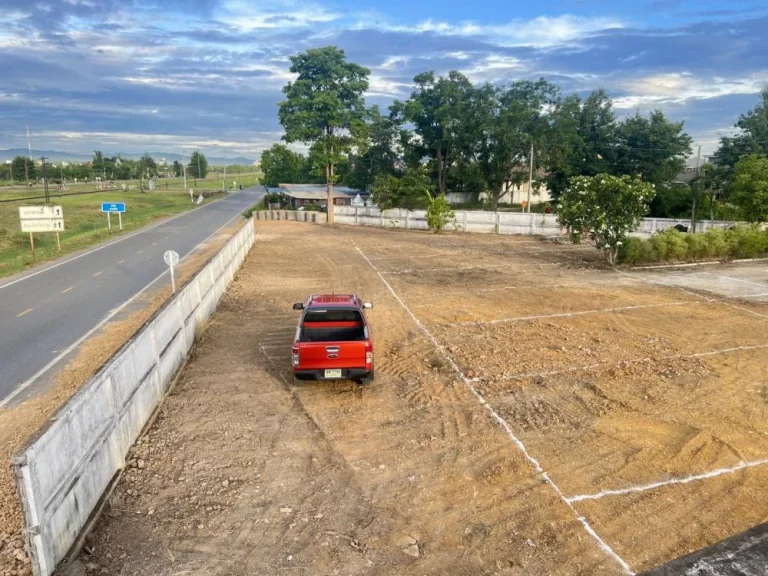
367 379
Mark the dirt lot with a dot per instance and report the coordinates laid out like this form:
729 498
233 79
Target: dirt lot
533 413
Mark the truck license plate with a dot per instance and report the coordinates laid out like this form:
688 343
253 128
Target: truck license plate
333 373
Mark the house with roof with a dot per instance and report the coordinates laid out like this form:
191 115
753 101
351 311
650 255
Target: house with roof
296 196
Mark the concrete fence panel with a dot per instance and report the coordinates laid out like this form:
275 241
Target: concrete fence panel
64 469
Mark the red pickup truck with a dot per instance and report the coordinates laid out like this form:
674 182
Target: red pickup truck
333 340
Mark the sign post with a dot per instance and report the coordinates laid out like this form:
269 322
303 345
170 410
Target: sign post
171 258
113 208
41 219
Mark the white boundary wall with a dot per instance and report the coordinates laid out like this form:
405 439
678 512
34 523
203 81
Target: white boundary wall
467 220
63 470
495 222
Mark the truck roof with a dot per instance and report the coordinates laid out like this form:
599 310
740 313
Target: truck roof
330 300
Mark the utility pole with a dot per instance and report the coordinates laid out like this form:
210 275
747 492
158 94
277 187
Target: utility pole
29 143
184 169
45 179
530 181
695 192
26 171
199 173
225 178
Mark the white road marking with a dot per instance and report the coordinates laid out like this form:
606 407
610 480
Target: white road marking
140 251
27 311
655 485
99 273
67 289
120 261
568 314
503 423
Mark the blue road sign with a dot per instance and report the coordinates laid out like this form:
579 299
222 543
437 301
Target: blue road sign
113 206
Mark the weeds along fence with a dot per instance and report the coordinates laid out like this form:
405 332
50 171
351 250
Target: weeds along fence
64 469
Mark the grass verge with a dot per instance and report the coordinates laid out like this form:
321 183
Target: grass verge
84 222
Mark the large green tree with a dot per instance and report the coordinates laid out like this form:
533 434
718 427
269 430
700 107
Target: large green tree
23 169
410 191
198 165
380 152
281 165
582 139
749 189
147 166
441 111
514 119
752 136
325 105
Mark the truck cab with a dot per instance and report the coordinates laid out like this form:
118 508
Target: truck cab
333 340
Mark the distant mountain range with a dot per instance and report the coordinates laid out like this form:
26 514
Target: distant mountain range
57 156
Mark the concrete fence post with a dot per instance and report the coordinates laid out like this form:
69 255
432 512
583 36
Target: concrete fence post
498 223
407 219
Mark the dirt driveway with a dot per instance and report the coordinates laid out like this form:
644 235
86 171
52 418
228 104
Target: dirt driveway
533 413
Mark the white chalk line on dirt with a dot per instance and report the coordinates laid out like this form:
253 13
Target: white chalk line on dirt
499 420
556 285
724 277
670 482
453 268
598 365
705 298
568 314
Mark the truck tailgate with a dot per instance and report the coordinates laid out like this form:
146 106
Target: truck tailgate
322 355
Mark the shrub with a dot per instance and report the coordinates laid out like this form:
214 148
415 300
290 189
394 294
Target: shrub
746 241
439 213
636 251
670 245
717 244
697 246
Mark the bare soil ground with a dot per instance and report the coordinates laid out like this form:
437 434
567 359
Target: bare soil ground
21 421
533 413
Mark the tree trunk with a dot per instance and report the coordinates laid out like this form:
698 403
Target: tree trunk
439 163
329 188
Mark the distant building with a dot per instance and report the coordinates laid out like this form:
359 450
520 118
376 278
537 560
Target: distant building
297 195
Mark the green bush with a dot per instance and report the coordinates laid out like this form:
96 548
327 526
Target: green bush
717 243
439 213
636 251
697 247
670 245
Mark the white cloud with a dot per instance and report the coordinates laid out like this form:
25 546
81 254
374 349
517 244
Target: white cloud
543 31
246 16
679 87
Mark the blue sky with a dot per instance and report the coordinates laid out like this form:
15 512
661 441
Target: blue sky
136 75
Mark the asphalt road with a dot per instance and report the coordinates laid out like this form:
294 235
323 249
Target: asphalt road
46 313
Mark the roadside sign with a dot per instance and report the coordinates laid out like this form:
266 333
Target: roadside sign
43 225
113 207
35 212
171 257
41 219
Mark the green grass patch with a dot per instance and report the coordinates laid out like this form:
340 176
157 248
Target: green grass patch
84 222
747 241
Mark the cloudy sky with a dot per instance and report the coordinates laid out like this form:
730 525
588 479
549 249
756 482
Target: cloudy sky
136 75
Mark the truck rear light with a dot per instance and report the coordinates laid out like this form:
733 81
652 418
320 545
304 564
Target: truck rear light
295 355
369 357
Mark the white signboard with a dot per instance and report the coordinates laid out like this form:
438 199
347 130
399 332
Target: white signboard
35 212
171 257
43 225
41 218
